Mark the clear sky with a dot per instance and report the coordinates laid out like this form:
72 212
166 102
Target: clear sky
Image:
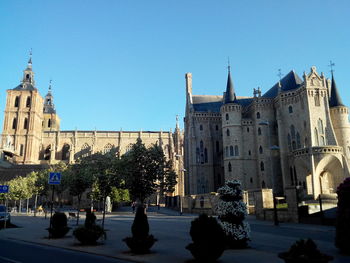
121 64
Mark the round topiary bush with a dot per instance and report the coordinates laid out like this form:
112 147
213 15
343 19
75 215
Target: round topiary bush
58 227
90 235
232 211
208 239
342 238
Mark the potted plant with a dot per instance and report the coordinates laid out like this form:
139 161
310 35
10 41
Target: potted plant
90 232
304 252
208 239
59 226
141 241
342 236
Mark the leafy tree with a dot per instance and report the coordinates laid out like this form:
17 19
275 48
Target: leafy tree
146 171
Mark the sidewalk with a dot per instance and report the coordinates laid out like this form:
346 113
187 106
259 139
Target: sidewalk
171 231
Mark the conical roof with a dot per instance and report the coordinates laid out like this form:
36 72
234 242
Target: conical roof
335 99
230 95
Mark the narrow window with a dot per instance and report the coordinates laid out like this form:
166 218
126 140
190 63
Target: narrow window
216 127
228 132
217 146
317 100
260 150
201 127
320 126
259 131
227 117
258 115
249 153
25 125
231 150
247 129
263 185
251 180
229 167
316 137
205 155
17 101
227 152
262 166
298 141
236 150
21 150
49 123
14 123
28 102
290 109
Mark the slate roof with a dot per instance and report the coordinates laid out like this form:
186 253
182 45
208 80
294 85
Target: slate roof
27 87
290 81
230 95
335 99
207 103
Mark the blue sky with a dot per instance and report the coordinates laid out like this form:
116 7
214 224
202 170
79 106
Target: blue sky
121 64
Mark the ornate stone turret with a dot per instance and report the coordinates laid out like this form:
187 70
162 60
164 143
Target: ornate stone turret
51 119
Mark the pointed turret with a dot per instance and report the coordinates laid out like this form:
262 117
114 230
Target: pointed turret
230 95
28 82
49 106
334 98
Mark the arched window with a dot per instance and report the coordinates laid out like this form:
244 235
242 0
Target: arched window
289 142
25 124
28 102
320 126
298 141
231 151
65 152
236 150
316 137
85 150
227 117
14 123
201 127
247 129
17 101
228 132
292 131
260 150
108 147
258 115
49 123
229 167
262 166
259 131
47 153
290 109
205 155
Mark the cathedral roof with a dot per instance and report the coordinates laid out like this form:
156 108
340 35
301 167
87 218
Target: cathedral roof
26 87
335 99
290 81
207 103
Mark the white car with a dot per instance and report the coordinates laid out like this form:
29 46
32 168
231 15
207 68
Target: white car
4 215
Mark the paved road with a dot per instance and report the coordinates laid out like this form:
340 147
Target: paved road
22 252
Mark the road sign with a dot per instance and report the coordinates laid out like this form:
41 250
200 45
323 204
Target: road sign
4 189
54 178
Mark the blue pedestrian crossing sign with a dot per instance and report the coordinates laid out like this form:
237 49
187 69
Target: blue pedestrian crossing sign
4 189
54 178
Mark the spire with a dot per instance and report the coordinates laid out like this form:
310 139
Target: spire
230 95
49 107
334 98
30 59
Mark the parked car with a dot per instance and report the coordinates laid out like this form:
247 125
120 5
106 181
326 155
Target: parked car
4 215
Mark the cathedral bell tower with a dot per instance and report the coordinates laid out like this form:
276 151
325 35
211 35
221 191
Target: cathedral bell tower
51 120
23 118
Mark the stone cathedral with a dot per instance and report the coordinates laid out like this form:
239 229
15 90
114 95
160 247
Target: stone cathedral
32 137
297 134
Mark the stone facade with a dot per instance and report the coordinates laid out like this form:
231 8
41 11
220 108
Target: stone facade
32 130
297 134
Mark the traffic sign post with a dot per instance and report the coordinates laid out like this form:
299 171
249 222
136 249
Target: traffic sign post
54 179
4 189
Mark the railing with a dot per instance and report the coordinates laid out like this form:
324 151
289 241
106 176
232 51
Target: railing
318 150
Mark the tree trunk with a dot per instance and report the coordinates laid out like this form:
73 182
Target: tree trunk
35 203
20 206
78 214
27 205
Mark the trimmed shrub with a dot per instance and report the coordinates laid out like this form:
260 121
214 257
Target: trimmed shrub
208 239
232 212
342 237
90 232
141 241
304 252
58 225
